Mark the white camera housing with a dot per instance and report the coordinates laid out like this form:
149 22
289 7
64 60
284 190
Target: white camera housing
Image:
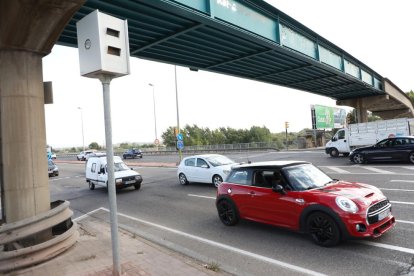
103 45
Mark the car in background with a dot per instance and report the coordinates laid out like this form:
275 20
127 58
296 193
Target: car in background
207 168
53 170
132 153
299 196
399 148
82 155
95 154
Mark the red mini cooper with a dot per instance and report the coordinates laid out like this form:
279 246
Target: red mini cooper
299 196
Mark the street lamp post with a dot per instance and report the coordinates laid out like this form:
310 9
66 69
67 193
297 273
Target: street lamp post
178 114
155 115
83 136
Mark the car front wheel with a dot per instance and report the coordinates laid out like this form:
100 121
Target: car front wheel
183 179
411 157
137 186
227 212
358 158
217 180
334 152
323 229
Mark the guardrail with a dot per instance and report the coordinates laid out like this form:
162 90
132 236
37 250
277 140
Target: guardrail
222 148
63 234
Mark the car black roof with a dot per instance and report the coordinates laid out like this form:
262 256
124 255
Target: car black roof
269 164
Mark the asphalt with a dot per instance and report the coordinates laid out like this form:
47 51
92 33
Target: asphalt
92 253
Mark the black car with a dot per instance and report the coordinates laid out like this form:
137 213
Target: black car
132 153
390 149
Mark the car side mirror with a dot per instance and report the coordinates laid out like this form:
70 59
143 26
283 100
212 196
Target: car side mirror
279 189
102 171
333 139
205 166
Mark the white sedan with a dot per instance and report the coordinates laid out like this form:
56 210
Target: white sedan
207 168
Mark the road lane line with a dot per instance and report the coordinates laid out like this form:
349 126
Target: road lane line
247 253
408 181
338 170
402 190
378 170
404 221
209 197
224 246
402 202
88 214
388 246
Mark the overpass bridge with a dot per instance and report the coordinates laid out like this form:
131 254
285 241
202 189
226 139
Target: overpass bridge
243 38
252 40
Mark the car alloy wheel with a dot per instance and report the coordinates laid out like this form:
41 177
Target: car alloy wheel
411 157
358 158
183 180
323 229
217 180
227 212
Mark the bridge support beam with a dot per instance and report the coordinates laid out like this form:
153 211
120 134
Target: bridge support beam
28 31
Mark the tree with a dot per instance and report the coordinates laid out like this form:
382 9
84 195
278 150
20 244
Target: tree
94 145
411 96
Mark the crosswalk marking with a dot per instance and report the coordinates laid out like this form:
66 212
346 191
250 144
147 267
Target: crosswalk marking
378 170
338 170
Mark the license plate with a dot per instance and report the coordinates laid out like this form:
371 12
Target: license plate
384 214
129 181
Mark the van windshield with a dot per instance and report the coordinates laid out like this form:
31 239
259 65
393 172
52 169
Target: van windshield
120 167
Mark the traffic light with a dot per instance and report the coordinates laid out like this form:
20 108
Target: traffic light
286 125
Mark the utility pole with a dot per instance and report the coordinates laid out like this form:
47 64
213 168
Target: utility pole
286 128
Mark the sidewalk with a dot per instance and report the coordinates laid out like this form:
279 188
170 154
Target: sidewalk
92 255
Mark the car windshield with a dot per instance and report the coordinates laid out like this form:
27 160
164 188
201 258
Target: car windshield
306 176
219 160
120 167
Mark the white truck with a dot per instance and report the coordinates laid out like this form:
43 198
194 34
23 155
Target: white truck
364 134
97 174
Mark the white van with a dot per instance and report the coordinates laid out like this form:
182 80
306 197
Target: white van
96 173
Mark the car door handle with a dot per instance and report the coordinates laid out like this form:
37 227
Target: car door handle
252 193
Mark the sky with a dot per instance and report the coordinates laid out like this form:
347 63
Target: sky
377 32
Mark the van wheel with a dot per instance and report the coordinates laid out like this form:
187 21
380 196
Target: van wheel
137 186
91 186
334 152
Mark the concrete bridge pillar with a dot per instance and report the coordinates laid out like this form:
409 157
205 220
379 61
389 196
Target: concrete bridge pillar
28 31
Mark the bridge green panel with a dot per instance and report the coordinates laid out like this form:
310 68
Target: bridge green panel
245 17
200 5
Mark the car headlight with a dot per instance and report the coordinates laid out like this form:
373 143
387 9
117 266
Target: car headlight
137 177
346 204
226 172
118 181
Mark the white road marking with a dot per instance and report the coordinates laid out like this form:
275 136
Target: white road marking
402 202
336 169
408 168
224 246
404 221
378 170
247 253
63 178
209 197
407 181
388 246
402 190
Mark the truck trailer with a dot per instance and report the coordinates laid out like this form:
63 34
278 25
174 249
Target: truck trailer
365 134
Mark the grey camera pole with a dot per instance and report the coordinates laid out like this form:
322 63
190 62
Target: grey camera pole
105 80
